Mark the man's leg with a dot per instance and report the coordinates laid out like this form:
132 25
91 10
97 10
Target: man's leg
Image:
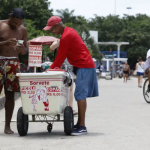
81 112
9 107
124 77
138 80
141 80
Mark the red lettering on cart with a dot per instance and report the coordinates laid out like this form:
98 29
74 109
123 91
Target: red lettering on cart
31 92
56 94
23 92
28 88
30 52
39 83
49 94
53 89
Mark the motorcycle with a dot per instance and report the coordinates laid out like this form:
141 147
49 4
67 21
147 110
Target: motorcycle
120 74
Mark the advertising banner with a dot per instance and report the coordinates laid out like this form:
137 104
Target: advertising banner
35 55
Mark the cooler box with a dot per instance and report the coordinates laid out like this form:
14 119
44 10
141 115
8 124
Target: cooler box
44 93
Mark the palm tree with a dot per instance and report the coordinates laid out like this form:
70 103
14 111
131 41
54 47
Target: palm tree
66 15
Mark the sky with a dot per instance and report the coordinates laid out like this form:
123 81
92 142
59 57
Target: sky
88 8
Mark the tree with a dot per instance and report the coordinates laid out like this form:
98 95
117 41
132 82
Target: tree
32 33
37 10
132 29
66 16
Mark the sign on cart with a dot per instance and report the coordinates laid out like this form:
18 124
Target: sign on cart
35 55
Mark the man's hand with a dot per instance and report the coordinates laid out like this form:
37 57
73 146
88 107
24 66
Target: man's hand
20 48
12 42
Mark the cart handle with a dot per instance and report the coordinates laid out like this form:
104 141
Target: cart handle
56 69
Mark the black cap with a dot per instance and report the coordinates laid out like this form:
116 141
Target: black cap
18 13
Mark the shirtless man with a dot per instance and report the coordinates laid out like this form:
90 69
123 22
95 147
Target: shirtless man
11 31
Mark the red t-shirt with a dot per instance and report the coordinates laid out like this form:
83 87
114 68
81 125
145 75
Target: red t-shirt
73 48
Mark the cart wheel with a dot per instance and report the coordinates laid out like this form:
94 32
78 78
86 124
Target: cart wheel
22 122
68 120
49 127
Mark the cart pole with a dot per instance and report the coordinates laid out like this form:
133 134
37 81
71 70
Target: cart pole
34 67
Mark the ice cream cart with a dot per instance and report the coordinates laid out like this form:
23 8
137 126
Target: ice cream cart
45 95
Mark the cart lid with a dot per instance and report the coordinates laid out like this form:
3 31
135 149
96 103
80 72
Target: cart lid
49 73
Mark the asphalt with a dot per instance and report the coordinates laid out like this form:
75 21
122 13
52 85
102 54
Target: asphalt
119 119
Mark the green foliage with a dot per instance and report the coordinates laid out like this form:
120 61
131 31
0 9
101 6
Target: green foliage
66 16
132 29
35 10
31 29
32 33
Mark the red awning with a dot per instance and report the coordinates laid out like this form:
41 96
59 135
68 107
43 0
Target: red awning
43 40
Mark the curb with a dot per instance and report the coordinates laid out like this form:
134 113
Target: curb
2 99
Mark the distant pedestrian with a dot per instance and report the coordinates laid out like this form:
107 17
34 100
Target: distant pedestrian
126 71
101 68
140 71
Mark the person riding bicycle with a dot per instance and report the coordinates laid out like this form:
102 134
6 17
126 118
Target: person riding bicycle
147 67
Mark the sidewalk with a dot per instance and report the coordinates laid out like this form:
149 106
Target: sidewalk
119 119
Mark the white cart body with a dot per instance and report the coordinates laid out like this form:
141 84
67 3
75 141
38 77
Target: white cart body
43 93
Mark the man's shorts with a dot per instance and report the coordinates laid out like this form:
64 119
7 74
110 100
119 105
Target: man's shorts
8 69
86 84
126 72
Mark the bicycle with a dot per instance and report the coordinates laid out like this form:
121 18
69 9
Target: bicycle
146 93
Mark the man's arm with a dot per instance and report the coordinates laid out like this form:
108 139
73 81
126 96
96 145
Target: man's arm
22 48
3 43
61 55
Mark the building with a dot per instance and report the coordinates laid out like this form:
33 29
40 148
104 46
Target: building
108 54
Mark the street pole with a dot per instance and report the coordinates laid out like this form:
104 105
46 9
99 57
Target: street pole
113 66
45 53
115 7
129 10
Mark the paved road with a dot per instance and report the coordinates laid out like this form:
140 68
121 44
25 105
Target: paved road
119 119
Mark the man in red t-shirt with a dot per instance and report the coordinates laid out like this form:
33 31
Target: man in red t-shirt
73 48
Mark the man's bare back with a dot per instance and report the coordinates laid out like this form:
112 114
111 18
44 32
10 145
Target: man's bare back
6 34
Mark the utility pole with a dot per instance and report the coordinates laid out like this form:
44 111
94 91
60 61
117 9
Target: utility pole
115 7
113 67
